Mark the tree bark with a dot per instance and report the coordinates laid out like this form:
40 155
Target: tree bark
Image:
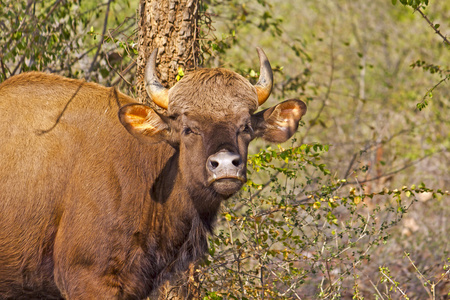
170 26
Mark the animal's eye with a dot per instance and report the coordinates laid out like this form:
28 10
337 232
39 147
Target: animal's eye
187 131
247 128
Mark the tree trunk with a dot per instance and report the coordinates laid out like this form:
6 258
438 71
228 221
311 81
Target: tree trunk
170 26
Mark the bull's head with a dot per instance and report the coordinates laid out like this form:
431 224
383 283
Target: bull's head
210 119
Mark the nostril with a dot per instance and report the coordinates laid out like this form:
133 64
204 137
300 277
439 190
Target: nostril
236 162
213 164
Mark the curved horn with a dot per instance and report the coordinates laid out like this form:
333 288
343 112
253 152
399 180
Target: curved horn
265 82
158 93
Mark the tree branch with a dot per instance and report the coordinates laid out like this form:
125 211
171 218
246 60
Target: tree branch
444 38
405 166
105 24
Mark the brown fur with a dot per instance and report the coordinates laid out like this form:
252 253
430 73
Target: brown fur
87 210
217 84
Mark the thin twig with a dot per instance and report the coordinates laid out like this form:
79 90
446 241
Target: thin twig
405 166
105 24
396 286
435 86
123 73
329 88
19 28
376 289
444 38
422 278
35 33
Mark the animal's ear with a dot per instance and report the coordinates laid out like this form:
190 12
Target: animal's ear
144 123
278 123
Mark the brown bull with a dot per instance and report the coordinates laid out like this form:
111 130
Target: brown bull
103 198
